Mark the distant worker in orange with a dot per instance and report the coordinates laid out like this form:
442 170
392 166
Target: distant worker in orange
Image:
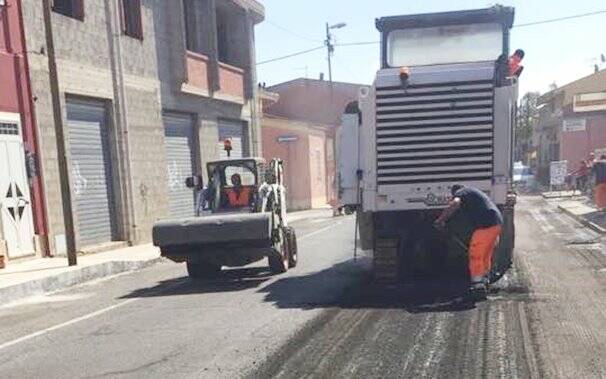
599 170
581 175
487 222
515 66
238 196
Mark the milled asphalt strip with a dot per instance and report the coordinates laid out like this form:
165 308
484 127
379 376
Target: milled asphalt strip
529 350
121 304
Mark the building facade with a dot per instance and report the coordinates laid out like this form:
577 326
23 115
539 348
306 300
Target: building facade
22 209
308 155
572 123
299 125
131 97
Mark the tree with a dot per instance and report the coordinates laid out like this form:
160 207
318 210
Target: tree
527 117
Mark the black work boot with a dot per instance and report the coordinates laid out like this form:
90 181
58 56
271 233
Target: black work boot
478 291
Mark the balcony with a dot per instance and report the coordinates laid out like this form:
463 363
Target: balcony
231 83
197 74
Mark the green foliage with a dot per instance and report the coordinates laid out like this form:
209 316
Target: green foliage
527 117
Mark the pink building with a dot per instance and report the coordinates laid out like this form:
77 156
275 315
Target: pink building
572 123
299 124
304 148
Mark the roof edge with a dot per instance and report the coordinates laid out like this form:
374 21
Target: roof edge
497 13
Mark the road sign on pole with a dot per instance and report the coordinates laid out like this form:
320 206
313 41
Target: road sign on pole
557 173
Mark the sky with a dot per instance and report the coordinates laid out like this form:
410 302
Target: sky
555 52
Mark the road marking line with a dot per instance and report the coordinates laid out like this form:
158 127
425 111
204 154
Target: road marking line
115 306
67 323
320 230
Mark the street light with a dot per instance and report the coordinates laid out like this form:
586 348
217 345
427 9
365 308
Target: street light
330 48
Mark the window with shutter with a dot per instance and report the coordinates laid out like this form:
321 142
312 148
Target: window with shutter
131 18
70 8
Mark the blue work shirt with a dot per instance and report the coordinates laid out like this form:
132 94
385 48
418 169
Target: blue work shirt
478 207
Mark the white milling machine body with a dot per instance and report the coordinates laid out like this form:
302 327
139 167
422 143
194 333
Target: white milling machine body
441 112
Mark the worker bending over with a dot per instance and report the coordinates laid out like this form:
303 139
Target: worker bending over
487 221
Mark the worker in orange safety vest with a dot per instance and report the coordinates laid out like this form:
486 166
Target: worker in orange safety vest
238 196
515 67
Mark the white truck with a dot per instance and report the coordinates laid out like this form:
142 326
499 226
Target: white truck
441 111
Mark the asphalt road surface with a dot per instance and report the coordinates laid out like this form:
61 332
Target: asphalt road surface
325 319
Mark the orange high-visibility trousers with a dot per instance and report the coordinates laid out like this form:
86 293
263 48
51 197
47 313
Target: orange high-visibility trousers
481 248
600 195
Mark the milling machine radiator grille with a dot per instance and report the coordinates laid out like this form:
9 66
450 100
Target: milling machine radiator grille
435 133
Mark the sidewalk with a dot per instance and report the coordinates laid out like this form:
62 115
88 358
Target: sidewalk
560 194
22 279
584 211
42 275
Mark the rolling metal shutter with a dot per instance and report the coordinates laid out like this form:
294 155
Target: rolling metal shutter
178 132
234 130
91 172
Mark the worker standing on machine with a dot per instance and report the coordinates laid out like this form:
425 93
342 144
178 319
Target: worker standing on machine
487 222
515 63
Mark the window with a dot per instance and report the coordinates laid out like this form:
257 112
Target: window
247 176
131 18
445 44
222 38
189 15
70 8
9 128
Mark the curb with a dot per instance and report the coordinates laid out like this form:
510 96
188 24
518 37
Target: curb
70 279
591 225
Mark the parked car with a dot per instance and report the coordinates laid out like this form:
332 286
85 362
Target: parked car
523 177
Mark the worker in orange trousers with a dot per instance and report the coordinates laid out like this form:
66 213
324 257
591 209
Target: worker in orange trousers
599 170
487 221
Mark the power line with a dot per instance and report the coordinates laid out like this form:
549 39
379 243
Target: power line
559 19
346 68
358 43
290 55
292 32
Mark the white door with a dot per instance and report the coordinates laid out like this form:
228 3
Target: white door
15 202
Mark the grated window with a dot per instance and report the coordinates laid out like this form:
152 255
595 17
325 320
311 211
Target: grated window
9 129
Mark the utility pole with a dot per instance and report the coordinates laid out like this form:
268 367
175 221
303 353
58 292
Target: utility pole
329 50
330 47
72 258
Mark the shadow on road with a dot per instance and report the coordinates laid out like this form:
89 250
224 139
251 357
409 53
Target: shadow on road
230 280
334 288
347 285
598 218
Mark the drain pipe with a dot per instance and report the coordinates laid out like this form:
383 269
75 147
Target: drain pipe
112 14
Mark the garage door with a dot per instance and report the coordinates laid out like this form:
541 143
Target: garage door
235 131
91 172
178 132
